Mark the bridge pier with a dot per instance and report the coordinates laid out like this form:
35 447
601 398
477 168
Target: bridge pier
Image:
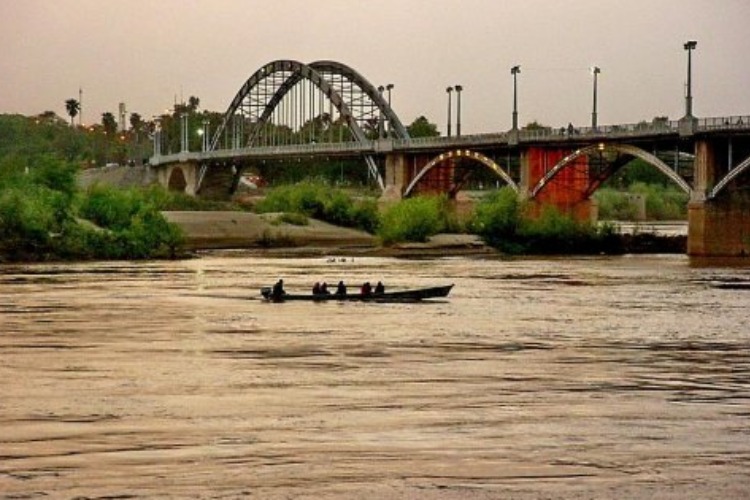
396 176
719 226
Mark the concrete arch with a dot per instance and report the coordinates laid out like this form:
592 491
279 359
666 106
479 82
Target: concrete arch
621 148
461 153
733 174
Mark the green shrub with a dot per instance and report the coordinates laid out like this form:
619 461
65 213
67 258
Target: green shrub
497 217
320 201
662 203
413 219
615 205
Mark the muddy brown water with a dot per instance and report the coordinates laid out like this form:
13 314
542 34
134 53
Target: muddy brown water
624 377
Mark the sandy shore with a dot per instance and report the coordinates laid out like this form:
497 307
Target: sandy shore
225 230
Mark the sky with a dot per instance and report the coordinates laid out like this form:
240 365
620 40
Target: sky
147 53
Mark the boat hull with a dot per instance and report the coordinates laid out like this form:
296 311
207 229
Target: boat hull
414 295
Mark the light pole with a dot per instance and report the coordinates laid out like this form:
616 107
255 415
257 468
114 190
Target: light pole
380 117
514 71
595 71
205 134
689 47
458 88
449 90
389 87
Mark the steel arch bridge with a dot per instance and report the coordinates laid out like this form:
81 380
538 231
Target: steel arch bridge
289 102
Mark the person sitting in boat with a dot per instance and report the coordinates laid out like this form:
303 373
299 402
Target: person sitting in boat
316 288
324 289
278 290
379 288
366 288
341 288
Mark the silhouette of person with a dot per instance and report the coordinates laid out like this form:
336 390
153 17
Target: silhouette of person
379 288
341 288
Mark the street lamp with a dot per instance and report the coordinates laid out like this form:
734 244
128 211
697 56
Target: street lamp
689 46
449 90
389 87
458 88
380 118
595 71
514 71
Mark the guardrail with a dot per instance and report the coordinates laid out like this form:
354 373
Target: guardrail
653 128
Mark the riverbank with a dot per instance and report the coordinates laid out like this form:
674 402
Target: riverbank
271 235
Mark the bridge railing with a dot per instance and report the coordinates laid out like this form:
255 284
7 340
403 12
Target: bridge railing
569 133
724 123
450 142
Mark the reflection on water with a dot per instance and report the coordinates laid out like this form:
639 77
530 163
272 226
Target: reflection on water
590 377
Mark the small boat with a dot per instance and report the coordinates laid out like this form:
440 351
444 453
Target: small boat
414 295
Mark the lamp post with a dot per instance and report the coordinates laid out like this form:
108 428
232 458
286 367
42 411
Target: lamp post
449 90
689 46
458 88
514 71
184 132
389 87
205 135
595 71
380 117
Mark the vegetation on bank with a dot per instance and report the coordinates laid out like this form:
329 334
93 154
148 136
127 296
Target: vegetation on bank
44 216
416 219
321 201
660 203
501 220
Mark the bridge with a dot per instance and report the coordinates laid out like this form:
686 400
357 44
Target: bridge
289 110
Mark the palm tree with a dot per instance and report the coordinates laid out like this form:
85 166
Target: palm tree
73 107
109 123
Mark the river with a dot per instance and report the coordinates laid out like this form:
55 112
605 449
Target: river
605 377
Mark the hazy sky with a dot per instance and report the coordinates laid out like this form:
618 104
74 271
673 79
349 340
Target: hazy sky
146 52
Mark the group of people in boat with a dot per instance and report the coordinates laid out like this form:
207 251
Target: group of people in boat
366 289
322 289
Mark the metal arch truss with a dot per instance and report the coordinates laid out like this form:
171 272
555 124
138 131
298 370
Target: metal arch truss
456 154
733 174
360 106
619 148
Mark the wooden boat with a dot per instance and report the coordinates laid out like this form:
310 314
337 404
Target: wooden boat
414 295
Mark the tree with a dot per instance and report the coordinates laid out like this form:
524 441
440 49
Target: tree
535 125
193 103
136 122
421 127
73 107
109 123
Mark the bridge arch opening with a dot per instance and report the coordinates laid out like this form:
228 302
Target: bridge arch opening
177 180
457 179
733 174
598 178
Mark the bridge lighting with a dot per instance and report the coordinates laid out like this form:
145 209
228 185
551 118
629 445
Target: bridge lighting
458 88
595 70
689 46
380 117
449 90
514 71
